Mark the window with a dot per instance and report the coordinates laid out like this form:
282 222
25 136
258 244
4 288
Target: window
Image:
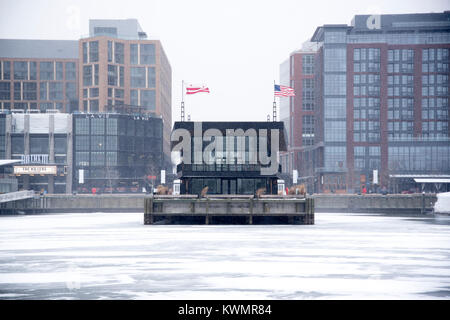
93 92
20 70
307 64
121 76
93 51
93 105
82 125
151 77
111 126
110 51
112 75
30 91
138 77
17 91
71 90
17 145
6 70
85 55
134 97
335 60
59 70
46 70
147 54
87 75
335 84
148 99
98 126
133 53
118 52
55 91
5 90
39 145
71 72
96 72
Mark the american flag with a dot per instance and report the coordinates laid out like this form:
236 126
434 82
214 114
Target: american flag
192 89
283 91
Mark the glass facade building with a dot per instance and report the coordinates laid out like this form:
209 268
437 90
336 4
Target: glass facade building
381 87
116 152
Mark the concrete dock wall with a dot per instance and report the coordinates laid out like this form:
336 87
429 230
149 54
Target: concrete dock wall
410 203
229 210
395 203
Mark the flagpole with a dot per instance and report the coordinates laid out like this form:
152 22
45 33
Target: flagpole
182 100
274 117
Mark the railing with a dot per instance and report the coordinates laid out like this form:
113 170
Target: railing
19 195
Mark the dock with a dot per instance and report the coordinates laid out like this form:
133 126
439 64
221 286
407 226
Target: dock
228 209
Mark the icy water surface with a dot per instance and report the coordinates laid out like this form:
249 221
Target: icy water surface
115 256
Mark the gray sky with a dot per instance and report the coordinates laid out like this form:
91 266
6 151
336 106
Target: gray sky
235 47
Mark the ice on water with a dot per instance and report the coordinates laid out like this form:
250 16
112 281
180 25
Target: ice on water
115 256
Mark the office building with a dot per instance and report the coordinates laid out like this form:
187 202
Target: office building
121 68
381 106
116 153
114 69
297 112
39 75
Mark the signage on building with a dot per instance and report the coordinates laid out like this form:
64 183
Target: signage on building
34 158
81 176
375 176
34 170
294 176
163 176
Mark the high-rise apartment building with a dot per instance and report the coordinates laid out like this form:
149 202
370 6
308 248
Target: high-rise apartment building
120 68
115 68
39 75
297 112
381 102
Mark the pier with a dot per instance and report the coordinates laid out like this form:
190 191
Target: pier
229 209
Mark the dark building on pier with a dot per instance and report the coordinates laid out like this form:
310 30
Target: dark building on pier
228 157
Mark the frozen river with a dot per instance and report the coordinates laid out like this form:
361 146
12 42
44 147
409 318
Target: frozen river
115 256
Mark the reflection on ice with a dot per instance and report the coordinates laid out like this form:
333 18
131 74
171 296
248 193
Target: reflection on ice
114 256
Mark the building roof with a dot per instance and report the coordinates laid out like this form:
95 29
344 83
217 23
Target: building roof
392 23
224 126
432 180
8 162
38 49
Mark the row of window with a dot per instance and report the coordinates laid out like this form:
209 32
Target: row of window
432 54
38 145
34 106
366 54
48 70
139 53
441 126
419 158
115 126
366 90
47 91
403 114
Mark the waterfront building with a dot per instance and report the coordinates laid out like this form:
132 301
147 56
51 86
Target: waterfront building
234 165
39 75
116 68
116 152
381 102
298 113
43 144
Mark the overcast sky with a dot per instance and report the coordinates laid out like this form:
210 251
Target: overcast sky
235 47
